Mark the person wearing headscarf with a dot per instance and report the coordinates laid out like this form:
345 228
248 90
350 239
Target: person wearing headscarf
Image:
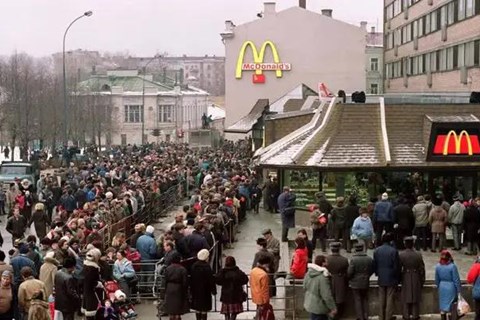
448 283
91 272
202 285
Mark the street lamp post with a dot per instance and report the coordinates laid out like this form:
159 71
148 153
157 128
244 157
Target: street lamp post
143 96
65 101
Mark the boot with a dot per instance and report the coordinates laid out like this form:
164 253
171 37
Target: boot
443 316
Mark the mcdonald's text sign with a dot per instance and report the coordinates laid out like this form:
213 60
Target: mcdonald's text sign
258 66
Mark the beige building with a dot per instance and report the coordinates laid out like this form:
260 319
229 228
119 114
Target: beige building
267 57
374 62
172 112
432 46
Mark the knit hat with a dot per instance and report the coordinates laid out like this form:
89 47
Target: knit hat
93 255
203 255
23 249
150 229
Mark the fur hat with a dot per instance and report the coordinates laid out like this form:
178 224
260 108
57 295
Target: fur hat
203 255
39 207
384 196
93 255
109 195
119 294
150 229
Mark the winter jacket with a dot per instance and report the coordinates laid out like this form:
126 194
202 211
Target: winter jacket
176 290
386 264
448 284
195 243
147 247
123 269
48 270
351 213
259 286
420 212
202 286
360 270
362 228
39 310
299 263
383 212
438 219
18 263
455 213
339 217
471 223
27 290
318 296
67 298
473 273
232 281
404 217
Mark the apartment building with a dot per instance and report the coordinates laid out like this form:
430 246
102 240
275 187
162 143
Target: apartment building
432 46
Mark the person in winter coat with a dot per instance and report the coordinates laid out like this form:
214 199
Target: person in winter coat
256 197
338 217
286 205
473 278
352 211
8 298
176 290
420 211
232 296
263 252
202 285
404 222
455 220
259 284
362 229
471 225
318 299
438 222
197 241
39 308
67 299
413 278
383 217
91 273
123 272
28 289
19 262
298 267
386 263
273 246
337 266
147 246
48 270
448 284
139 231
40 220
359 272
16 225
302 233
319 223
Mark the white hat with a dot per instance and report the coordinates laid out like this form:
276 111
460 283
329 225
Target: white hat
203 255
93 255
150 229
50 254
109 195
119 294
384 196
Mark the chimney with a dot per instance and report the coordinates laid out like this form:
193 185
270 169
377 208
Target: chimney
373 30
363 25
327 12
269 9
302 4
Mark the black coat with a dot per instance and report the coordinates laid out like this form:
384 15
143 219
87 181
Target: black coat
360 270
176 290
66 295
196 242
202 286
338 268
232 281
91 273
386 264
413 275
404 217
351 213
471 220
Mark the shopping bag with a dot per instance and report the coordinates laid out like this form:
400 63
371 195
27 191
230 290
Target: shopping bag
58 315
462 306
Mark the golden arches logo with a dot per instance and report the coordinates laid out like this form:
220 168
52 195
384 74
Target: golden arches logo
458 142
258 64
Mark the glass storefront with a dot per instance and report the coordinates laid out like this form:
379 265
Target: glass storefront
305 184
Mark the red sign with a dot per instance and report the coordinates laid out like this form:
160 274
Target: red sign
258 78
457 144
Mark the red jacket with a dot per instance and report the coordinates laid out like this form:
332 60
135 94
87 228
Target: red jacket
473 273
299 263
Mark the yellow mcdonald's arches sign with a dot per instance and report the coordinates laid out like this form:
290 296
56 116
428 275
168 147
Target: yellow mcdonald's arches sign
458 142
258 65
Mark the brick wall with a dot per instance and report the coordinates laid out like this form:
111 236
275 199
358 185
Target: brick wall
275 129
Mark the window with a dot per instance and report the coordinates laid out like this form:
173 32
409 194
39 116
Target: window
443 16
374 88
426 62
443 59
408 31
455 57
469 8
461 10
397 7
433 61
165 113
428 25
421 26
415 28
389 12
133 113
433 21
476 53
461 55
451 13
123 138
374 64
469 54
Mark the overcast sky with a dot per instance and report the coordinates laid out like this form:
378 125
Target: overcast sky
145 27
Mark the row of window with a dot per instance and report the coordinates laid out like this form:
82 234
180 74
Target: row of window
451 13
134 113
446 59
397 7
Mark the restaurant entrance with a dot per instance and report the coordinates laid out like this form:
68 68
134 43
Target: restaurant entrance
449 184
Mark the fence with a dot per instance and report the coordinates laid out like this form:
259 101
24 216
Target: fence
155 206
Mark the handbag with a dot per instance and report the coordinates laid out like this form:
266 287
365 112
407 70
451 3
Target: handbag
462 306
266 312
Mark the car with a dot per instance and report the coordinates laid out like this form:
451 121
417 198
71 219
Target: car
10 171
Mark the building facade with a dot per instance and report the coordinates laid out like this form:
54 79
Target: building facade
137 105
432 46
267 57
374 62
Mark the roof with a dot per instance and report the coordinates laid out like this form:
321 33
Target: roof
128 83
16 164
245 124
352 137
216 112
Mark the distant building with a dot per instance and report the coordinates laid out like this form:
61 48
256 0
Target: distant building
168 113
432 46
267 57
374 63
